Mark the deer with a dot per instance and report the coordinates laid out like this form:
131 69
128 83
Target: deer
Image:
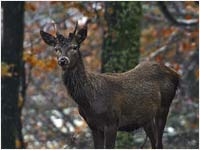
112 102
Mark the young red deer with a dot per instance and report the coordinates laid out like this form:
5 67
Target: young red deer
115 102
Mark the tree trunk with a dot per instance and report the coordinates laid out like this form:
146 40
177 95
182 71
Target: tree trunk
12 48
121 44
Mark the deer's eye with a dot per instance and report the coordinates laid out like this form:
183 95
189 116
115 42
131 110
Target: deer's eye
75 47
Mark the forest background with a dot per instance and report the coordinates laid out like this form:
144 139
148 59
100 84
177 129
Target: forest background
36 110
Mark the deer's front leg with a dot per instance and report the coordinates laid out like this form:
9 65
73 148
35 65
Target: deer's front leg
110 135
98 138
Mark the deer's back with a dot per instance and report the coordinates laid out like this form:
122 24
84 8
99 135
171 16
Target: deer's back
131 98
138 94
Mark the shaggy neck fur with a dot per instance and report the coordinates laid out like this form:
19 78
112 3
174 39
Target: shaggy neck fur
77 83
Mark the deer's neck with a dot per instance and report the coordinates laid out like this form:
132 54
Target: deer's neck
77 83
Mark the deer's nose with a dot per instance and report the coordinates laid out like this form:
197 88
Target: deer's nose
63 61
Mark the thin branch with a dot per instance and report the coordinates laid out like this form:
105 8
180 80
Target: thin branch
179 22
157 52
165 47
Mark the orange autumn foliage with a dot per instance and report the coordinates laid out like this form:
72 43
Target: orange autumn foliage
48 64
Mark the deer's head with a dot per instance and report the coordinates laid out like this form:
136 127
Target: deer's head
66 48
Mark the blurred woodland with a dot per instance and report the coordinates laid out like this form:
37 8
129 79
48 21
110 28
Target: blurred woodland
36 110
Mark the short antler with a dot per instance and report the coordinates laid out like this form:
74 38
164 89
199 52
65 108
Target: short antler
60 37
72 35
54 26
76 26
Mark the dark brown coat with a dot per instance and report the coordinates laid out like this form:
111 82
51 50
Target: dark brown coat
126 100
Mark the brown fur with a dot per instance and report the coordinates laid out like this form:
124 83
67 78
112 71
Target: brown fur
125 101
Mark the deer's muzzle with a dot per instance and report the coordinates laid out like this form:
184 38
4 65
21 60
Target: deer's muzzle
63 61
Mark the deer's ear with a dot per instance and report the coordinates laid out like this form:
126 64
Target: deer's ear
48 38
81 35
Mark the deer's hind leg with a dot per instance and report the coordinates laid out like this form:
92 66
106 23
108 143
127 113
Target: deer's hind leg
161 120
110 136
98 138
151 131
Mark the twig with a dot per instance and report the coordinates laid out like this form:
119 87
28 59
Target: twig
165 47
180 22
157 52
